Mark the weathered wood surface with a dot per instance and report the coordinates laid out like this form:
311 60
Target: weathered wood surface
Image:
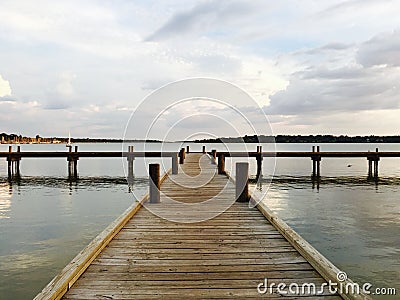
224 257
49 154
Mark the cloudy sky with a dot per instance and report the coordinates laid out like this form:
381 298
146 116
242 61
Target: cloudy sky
315 67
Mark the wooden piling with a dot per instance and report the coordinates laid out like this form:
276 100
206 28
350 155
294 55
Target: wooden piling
376 164
259 159
204 149
175 163
182 156
187 149
9 162
130 159
75 163
18 159
214 154
369 167
316 162
221 164
242 182
72 159
154 183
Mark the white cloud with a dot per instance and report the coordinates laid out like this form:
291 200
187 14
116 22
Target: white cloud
5 89
93 60
364 77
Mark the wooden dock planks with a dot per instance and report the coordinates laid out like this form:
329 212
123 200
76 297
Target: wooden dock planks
224 257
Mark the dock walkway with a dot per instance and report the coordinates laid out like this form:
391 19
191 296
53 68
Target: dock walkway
223 257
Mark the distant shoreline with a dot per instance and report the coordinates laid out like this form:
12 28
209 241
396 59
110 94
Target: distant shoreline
279 139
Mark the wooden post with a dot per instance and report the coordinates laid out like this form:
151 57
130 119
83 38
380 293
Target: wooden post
214 155
242 182
259 159
175 163
181 156
221 164
154 183
316 168
9 162
18 159
369 167
72 159
75 163
376 164
130 159
314 163
70 168
204 149
187 149
318 163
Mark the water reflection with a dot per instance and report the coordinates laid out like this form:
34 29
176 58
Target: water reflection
6 186
316 183
5 200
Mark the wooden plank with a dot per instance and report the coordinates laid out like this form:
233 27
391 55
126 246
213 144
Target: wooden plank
130 268
121 275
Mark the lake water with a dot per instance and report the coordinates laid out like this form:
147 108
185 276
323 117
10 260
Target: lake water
45 220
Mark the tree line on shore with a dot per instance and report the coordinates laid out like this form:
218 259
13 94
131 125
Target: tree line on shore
304 139
19 139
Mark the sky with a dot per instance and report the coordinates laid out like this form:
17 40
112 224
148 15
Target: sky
314 67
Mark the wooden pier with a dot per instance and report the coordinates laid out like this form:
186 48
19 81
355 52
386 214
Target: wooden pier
144 256
316 155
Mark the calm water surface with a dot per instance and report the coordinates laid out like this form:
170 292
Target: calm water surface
45 220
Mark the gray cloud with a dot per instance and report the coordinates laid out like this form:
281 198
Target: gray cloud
202 17
8 99
349 86
383 49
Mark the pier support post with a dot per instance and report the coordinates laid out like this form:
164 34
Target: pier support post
187 149
130 159
204 149
370 167
376 164
259 159
316 163
373 165
242 182
13 162
221 164
17 161
154 183
175 163
73 163
9 162
214 155
182 156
